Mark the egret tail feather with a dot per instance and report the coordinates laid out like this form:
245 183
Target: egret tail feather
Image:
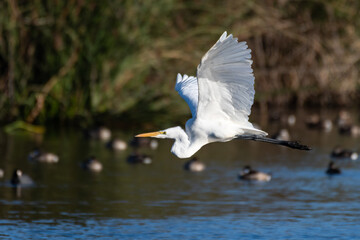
290 144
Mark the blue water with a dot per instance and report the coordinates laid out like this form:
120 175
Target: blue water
232 226
162 201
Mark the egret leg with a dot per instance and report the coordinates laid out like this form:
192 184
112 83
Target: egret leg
290 144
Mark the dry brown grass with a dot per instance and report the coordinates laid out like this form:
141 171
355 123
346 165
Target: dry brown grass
305 53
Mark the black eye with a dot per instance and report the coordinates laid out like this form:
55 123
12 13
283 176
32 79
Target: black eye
164 132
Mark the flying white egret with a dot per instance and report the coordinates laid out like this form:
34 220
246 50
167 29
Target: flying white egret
220 100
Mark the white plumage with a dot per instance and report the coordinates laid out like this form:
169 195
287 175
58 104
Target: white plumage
226 80
220 100
187 87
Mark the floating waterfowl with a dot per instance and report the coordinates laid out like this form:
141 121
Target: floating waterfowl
99 133
343 118
92 164
282 134
253 175
339 152
117 145
194 165
291 119
283 118
45 157
144 142
136 158
349 129
332 170
314 121
20 179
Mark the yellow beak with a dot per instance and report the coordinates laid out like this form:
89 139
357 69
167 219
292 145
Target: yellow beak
150 134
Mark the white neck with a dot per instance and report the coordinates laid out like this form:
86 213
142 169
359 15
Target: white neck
183 147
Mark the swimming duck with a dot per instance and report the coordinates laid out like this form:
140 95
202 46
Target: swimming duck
343 118
283 118
45 157
349 129
332 169
250 174
291 119
135 158
314 121
18 178
117 145
282 134
92 164
339 152
144 142
194 165
99 133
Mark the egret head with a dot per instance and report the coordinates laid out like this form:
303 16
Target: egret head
167 133
182 146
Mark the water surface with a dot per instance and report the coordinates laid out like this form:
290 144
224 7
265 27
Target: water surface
162 201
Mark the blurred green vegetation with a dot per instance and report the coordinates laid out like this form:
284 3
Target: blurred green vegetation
78 60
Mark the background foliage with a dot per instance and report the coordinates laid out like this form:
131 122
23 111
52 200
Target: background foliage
79 59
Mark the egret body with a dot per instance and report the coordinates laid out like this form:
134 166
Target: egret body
220 100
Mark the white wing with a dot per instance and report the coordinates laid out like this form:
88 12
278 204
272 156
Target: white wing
226 81
187 87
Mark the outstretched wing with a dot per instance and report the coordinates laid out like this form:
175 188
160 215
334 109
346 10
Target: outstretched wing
187 87
226 81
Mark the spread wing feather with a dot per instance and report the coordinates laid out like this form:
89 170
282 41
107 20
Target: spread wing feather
226 81
187 87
